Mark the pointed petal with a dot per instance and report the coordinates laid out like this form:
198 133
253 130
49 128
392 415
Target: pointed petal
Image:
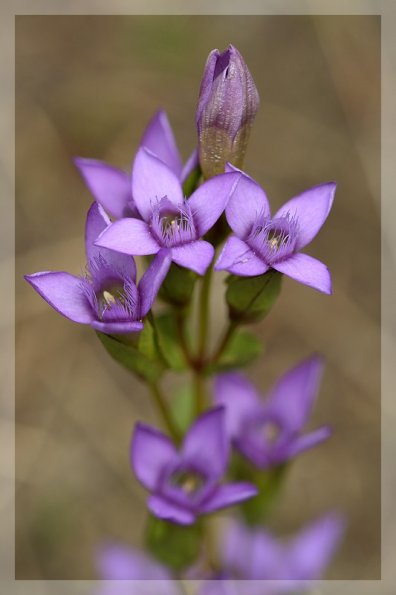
208 202
206 442
129 236
97 221
64 293
151 181
117 328
170 512
191 163
110 186
237 258
228 495
152 279
119 563
150 452
307 441
238 396
306 270
293 396
160 140
196 256
246 204
311 209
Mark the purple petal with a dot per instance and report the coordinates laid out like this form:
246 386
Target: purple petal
229 494
129 236
97 221
196 256
307 441
152 280
151 181
117 328
306 270
206 83
237 258
311 209
293 396
209 200
160 140
150 452
247 203
191 163
64 293
110 186
118 563
206 442
239 397
170 512
311 551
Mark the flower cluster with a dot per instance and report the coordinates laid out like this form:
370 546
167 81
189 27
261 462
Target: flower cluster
231 448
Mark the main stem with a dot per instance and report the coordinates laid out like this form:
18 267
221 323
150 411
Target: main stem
162 407
203 328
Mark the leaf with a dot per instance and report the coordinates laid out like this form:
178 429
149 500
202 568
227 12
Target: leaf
242 349
250 299
169 341
176 546
183 408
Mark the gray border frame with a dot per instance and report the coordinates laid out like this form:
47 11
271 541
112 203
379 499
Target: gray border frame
8 11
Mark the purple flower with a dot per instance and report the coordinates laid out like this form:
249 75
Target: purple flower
228 102
107 297
268 431
111 187
167 220
185 484
261 242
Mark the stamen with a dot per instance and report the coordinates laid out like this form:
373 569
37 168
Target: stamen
273 239
173 225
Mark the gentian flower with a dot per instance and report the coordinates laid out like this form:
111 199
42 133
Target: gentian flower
268 431
261 242
169 221
111 187
186 483
107 297
228 103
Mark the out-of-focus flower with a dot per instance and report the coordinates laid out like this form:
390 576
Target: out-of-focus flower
107 297
268 431
111 187
129 571
262 242
167 220
228 103
186 483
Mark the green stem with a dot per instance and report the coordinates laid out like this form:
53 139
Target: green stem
199 390
225 341
204 314
181 332
162 407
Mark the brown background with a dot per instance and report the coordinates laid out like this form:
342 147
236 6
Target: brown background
87 86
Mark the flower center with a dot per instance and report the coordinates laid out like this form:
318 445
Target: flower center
189 482
274 239
171 225
271 432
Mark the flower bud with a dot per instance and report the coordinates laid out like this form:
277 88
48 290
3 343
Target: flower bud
228 102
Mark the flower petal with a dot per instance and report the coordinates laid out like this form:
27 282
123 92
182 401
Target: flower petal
311 209
206 442
110 186
229 494
64 293
150 452
160 140
151 181
97 221
196 256
129 236
117 328
306 270
191 163
247 203
293 396
170 512
209 200
238 396
120 563
152 280
307 441
237 258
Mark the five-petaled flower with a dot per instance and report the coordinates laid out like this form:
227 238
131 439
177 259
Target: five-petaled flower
185 483
107 297
167 219
261 242
111 187
268 431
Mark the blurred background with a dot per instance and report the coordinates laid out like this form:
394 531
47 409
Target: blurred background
87 86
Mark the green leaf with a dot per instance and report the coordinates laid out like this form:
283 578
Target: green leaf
178 286
242 349
183 408
250 299
176 546
169 342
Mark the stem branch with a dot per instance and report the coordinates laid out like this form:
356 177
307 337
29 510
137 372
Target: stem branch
162 407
